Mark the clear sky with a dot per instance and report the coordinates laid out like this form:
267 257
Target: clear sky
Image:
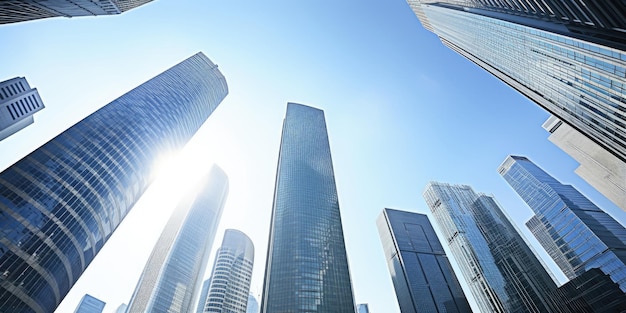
401 110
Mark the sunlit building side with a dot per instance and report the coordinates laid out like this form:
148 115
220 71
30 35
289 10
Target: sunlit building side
203 294
420 270
231 275
253 304
306 268
501 270
568 56
13 11
60 203
576 233
602 170
172 278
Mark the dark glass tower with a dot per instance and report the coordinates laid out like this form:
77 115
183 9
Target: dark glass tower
307 268
60 203
12 11
231 275
576 233
568 56
172 278
503 273
420 270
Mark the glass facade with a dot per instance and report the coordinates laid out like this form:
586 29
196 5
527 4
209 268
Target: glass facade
362 308
502 271
203 294
172 278
421 273
231 275
306 269
90 304
20 11
253 305
576 233
60 203
581 82
592 292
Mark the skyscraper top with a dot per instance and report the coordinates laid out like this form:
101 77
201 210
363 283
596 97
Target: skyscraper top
307 267
20 11
171 279
575 232
18 103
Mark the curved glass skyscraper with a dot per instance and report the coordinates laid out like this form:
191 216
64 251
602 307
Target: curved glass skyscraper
60 203
231 275
172 278
307 268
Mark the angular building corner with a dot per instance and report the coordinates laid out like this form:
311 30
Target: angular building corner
602 170
307 267
172 278
502 271
577 234
422 276
18 104
61 203
21 11
231 276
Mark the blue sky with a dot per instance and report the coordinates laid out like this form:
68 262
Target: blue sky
401 110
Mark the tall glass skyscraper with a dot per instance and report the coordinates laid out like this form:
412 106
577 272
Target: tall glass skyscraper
172 278
12 11
567 56
60 203
231 275
90 304
503 273
576 233
420 270
307 268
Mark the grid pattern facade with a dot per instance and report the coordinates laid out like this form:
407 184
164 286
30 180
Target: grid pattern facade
231 275
581 82
502 271
421 273
12 11
203 295
18 103
592 292
307 268
172 278
603 21
60 203
576 233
